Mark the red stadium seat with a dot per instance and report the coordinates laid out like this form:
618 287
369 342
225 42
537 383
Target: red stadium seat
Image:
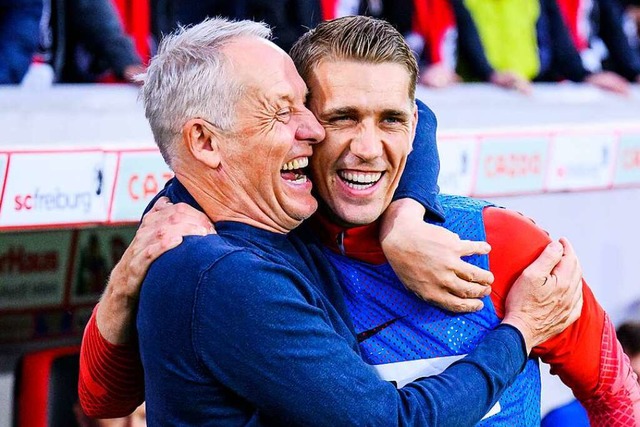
46 388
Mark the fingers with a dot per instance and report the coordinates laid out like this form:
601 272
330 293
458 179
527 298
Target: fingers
165 213
150 243
470 273
160 204
568 270
462 288
167 236
545 263
524 87
150 253
470 247
609 81
569 275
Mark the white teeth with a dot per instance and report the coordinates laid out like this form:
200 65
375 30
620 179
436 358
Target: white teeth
361 177
358 186
298 163
300 179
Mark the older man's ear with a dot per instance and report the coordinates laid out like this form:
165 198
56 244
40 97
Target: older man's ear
201 140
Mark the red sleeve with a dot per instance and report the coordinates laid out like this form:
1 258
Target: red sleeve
111 380
587 355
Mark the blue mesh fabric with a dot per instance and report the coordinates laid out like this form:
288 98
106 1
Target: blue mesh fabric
395 326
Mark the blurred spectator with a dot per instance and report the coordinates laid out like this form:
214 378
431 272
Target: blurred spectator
19 23
470 47
434 39
84 39
629 336
289 19
430 29
631 23
596 27
434 36
529 38
166 15
92 268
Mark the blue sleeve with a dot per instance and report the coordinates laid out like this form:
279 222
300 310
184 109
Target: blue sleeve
257 329
625 60
19 33
420 178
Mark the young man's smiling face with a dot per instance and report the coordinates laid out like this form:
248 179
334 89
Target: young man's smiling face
369 120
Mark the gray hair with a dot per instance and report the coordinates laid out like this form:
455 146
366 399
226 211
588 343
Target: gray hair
191 77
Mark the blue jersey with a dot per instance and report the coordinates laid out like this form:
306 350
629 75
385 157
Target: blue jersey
406 338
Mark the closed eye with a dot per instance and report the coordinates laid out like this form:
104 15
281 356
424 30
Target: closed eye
283 114
341 118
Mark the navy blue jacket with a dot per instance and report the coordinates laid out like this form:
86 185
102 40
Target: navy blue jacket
19 35
250 327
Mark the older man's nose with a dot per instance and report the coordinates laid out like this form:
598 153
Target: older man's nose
309 129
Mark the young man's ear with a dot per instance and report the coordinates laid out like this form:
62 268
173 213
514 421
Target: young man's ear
201 140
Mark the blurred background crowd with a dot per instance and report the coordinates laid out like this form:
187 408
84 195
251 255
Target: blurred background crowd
509 43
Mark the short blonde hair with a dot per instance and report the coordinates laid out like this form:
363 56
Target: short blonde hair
354 38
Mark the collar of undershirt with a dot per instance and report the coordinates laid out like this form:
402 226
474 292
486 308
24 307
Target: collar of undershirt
361 243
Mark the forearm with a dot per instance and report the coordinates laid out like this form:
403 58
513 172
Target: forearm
477 381
616 400
582 354
399 210
324 381
116 313
608 388
600 376
111 380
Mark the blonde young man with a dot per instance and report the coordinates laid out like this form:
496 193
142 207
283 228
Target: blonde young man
250 327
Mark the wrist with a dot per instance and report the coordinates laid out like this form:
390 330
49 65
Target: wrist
516 335
399 212
524 330
402 210
115 316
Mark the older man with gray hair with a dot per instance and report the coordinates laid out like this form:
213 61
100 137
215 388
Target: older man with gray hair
249 326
